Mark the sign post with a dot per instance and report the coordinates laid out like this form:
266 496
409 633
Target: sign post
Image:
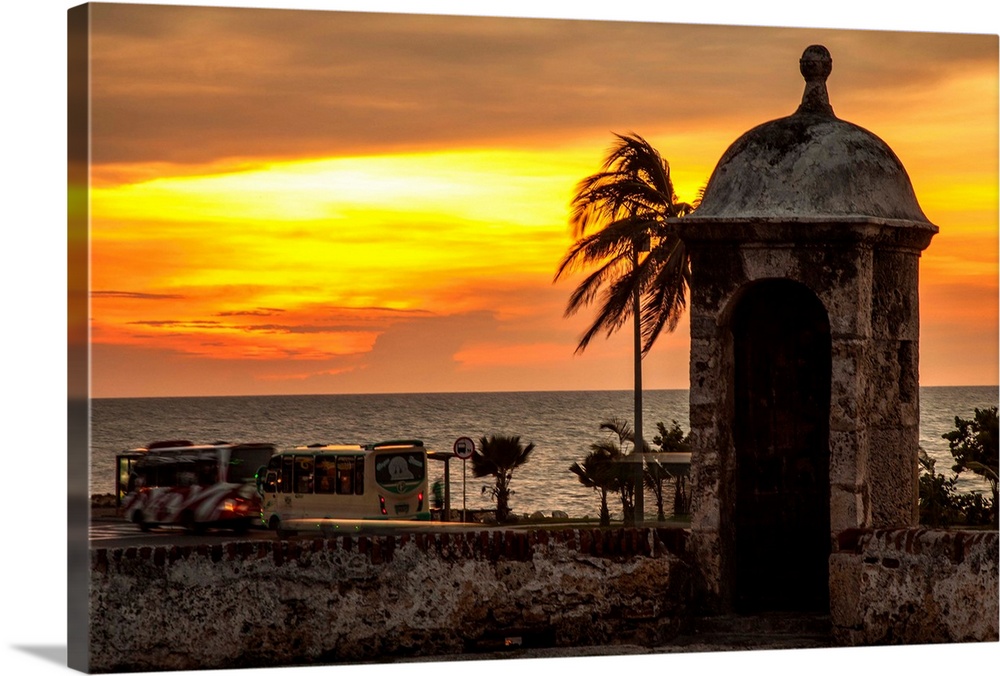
464 448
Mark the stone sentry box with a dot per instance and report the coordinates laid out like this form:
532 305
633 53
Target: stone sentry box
804 352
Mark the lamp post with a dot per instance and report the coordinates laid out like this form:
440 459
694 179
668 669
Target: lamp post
641 243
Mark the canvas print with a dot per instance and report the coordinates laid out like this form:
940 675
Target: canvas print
409 338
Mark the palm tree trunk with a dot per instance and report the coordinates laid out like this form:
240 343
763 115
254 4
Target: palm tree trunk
502 497
638 506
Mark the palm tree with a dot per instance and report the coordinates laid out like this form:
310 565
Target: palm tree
596 472
623 466
654 476
497 456
616 213
671 440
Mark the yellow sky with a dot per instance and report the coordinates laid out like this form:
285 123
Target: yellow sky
327 202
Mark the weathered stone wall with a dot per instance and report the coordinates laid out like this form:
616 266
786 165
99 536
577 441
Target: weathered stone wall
866 276
353 598
914 586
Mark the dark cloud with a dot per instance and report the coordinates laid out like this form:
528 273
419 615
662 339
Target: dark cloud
136 295
179 323
260 312
376 310
299 328
196 84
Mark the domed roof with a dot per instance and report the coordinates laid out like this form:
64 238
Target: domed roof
810 165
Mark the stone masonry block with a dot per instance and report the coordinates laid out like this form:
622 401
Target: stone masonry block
848 456
845 590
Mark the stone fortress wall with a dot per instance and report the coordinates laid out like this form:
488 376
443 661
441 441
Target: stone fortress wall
371 598
357 598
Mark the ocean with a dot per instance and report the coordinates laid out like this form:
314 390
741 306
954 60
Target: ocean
562 425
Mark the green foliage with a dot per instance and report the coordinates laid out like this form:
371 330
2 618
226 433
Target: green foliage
497 456
938 503
673 440
974 445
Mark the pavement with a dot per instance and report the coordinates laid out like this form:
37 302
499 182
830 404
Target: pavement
772 631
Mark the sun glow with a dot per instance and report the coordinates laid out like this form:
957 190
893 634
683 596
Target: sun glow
278 261
393 221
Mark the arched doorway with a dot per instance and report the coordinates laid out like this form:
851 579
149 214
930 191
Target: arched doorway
781 396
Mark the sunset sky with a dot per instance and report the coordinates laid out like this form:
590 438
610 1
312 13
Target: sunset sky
329 202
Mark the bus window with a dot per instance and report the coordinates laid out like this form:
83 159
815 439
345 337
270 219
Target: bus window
207 471
345 475
143 477
303 474
186 476
287 463
326 475
166 475
359 476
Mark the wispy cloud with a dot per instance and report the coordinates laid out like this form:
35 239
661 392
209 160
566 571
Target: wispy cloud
136 295
261 312
176 323
365 201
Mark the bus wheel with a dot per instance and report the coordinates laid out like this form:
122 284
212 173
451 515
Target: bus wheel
274 523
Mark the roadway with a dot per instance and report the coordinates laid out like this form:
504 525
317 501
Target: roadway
114 533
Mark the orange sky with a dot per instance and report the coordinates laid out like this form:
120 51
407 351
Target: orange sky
326 202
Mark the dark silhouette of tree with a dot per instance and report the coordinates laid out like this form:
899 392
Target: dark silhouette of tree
975 445
497 456
618 445
597 472
656 474
618 212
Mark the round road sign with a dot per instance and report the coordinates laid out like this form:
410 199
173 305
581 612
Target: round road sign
464 447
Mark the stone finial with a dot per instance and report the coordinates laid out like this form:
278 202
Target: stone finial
815 66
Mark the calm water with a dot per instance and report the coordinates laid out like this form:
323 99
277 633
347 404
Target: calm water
562 426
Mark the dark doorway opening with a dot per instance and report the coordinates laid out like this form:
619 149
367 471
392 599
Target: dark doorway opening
781 516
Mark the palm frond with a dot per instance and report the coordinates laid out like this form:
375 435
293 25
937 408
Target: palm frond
627 202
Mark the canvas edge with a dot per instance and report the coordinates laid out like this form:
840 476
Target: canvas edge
78 339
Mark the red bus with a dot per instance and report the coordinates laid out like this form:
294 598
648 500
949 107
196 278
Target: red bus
178 483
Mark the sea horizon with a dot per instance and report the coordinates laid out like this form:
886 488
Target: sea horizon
450 392
563 425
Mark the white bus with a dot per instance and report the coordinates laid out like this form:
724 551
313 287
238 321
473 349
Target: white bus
387 480
178 483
